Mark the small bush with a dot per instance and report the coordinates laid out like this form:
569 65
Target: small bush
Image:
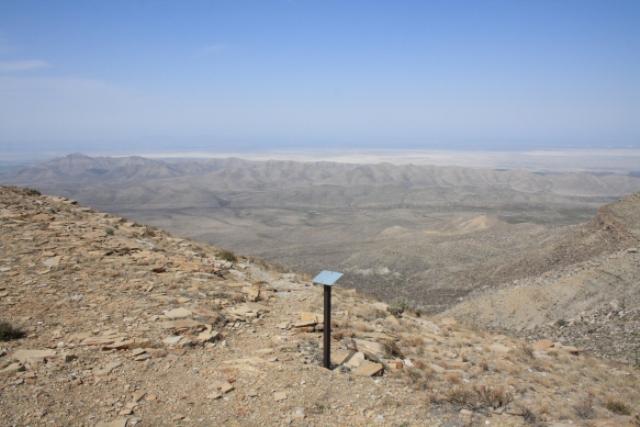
398 306
9 332
414 341
529 417
227 256
527 352
479 396
561 323
584 408
109 231
617 407
461 396
494 397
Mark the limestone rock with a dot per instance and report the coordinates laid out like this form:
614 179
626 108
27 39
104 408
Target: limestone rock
11 369
368 369
355 360
208 335
33 356
308 319
338 357
373 350
172 340
178 313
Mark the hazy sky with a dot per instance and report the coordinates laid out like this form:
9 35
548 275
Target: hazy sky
140 75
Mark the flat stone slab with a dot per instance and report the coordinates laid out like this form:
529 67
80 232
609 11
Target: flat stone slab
368 369
308 319
178 313
33 356
338 357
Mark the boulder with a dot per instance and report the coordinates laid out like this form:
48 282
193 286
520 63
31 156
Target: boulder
11 369
308 319
355 360
372 349
207 336
338 357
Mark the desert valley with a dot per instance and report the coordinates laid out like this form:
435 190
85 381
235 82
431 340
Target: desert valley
471 296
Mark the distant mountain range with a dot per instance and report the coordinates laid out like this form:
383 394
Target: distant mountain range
425 234
216 182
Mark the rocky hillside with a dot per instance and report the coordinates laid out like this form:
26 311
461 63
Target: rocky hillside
107 322
590 295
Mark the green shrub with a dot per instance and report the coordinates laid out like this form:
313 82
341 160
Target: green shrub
9 332
398 306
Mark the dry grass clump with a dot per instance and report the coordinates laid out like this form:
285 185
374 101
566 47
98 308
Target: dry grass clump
526 352
479 396
494 397
461 396
453 377
227 256
9 332
392 348
617 406
413 341
417 377
584 408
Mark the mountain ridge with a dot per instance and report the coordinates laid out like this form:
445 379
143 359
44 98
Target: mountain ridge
582 283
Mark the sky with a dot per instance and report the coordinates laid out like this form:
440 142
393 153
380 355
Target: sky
140 76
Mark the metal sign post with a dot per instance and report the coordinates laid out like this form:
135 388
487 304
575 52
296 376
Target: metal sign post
327 279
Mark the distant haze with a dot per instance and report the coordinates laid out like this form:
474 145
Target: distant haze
126 77
594 160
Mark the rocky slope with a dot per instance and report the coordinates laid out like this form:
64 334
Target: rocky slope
126 325
590 295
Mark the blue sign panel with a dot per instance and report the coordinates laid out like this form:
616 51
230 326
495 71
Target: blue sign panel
327 278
